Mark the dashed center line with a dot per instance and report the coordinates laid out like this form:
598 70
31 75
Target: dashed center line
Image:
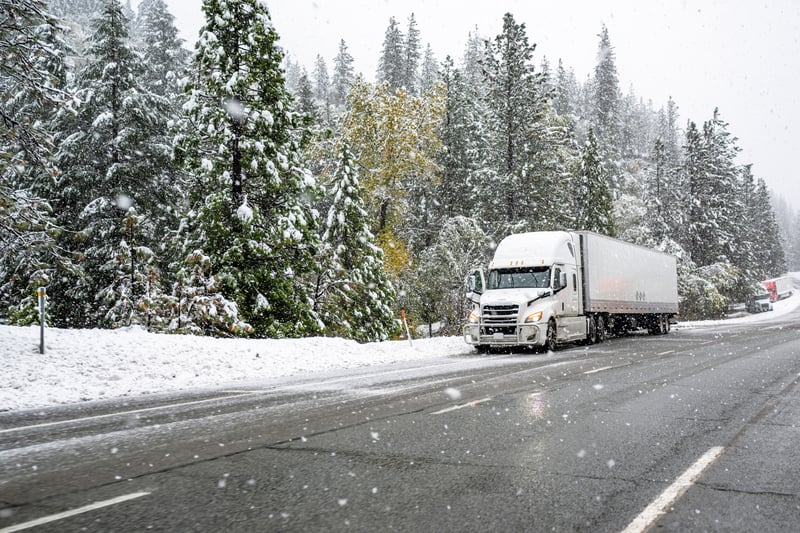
457 407
598 370
667 498
73 512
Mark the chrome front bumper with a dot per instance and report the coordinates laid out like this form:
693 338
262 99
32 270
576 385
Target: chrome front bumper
520 335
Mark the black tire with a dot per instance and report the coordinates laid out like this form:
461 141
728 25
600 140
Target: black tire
482 348
654 324
600 327
591 338
550 339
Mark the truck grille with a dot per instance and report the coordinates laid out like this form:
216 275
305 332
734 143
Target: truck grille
500 315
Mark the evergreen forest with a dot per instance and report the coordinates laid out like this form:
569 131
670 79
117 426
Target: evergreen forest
221 188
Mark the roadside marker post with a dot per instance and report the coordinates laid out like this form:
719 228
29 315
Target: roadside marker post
405 323
42 293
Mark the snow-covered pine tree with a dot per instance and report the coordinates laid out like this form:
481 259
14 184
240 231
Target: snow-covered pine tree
429 72
355 295
293 72
391 66
472 62
565 100
306 102
112 153
712 181
462 142
514 188
606 99
436 290
33 74
251 193
135 295
199 306
595 205
411 57
343 76
162 50
322 88
766 246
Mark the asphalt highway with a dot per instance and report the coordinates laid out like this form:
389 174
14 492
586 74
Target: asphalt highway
697 430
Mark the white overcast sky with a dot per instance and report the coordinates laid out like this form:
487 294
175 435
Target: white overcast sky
742 56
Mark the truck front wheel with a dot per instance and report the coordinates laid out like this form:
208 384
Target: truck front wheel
550 339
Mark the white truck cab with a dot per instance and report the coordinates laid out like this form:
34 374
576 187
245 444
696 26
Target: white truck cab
531 295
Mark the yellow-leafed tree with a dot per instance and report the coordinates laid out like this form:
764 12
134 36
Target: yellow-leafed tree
396 138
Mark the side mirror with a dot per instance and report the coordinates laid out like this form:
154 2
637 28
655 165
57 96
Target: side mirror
562 282
475 283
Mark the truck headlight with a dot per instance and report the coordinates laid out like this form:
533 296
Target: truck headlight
534 317
473 318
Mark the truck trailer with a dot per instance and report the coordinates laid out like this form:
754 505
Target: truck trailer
779 288
542 289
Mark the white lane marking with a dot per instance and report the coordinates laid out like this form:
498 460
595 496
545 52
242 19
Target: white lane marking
598 370
665 353
73 512
120 413
457 407
667 498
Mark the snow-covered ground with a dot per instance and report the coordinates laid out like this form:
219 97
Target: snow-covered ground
81 365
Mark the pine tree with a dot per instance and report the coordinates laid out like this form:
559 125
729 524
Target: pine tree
112 152
134 295
462 140
306 102
436 290
514 184
322 87
251 193
343 76
33 74
354 292
595 203
411 57
162 50
767 249
606 98
712 181
566 92
391 66
200 307
474 59
429 74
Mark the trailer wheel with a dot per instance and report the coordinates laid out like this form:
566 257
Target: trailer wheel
550 340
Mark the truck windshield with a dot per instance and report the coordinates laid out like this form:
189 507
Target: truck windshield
516 278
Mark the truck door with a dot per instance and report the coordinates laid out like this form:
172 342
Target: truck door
562 290
573 297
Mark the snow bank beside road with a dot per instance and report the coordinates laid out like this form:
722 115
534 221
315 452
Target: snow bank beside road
82 365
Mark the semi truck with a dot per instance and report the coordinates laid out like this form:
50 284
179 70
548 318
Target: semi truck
542 289
779 288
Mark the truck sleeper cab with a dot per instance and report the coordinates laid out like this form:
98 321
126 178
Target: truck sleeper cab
547 288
